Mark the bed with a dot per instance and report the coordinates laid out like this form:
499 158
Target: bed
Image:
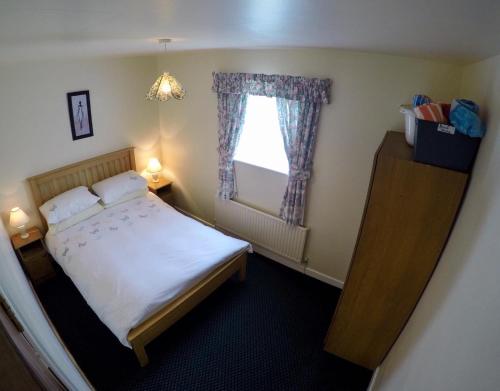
140 265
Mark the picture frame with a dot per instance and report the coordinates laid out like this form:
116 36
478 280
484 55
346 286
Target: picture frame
80 115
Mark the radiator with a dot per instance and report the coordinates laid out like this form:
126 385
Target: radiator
261 229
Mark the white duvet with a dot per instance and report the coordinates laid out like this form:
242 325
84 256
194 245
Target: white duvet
131 259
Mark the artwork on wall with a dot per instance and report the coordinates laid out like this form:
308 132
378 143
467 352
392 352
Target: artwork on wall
80 116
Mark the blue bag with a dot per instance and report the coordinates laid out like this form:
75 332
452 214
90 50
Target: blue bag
464 116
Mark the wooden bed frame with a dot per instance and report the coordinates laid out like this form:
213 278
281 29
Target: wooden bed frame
85 173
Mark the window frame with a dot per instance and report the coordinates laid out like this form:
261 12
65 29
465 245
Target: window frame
239 153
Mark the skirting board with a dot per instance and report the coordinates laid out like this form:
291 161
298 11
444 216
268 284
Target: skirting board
299 267
325 278
278 258
194 217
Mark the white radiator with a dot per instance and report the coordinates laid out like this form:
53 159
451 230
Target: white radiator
261 229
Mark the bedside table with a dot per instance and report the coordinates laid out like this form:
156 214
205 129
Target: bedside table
162 189
34 257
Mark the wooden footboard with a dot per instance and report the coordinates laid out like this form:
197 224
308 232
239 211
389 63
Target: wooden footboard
156 324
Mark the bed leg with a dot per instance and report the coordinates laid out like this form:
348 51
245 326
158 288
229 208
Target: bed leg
141 355
242 273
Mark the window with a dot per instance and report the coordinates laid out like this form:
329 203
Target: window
261 142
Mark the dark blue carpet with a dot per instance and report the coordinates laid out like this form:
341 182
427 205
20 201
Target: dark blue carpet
264 334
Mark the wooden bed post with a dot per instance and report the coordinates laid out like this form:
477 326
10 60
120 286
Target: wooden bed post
242 273
140 352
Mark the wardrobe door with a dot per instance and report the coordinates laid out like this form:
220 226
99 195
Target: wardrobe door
14 374
20 367
409 213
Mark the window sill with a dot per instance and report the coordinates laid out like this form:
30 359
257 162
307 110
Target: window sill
260 167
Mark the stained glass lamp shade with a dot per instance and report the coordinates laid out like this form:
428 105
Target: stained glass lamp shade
166 87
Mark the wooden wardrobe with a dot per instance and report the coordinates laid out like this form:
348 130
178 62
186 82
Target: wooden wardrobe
409 213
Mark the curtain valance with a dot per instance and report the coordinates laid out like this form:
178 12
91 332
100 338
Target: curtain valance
281 86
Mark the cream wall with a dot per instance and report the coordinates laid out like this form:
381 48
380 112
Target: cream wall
452 340
367 92
35 133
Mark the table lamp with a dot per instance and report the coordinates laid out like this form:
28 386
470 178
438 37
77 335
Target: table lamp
154 167
19 219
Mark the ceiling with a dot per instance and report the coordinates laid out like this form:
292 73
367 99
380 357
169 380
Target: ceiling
462 30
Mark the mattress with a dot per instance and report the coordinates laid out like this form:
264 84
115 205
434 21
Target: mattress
131 259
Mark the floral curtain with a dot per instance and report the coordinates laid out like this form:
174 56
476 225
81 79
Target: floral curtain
299 102
280 86
231 112
299 124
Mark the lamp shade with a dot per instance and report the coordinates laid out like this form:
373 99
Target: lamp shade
18 218
154 165
166 87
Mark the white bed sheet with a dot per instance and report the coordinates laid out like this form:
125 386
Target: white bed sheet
131 259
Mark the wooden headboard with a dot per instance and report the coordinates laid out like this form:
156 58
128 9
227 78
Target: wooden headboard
85 173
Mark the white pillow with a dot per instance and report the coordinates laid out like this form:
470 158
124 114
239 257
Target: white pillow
84 215
112 189
68 204
128 197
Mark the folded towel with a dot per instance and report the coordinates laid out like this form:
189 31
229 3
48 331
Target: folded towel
430 112
464 116
445 108
419 100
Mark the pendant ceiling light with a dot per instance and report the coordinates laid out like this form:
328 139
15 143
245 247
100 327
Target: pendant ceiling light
166 86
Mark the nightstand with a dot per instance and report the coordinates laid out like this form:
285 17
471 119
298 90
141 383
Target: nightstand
162 189
33 255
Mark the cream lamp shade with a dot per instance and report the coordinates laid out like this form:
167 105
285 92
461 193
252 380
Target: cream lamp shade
154 167
19 219
166 86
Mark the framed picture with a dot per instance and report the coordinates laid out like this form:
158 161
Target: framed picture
80 116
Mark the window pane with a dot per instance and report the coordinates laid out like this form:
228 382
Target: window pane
261 143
